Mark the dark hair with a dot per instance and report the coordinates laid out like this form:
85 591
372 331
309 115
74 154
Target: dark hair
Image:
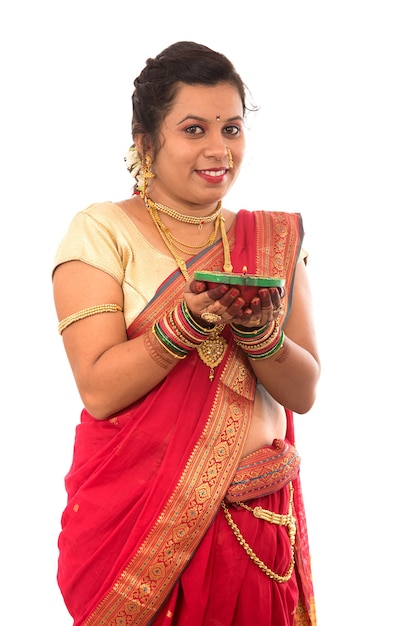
156 86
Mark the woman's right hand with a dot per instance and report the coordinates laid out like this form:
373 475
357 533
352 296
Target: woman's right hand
220 299
227 303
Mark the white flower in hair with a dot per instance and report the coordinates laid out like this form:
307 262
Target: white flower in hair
134 163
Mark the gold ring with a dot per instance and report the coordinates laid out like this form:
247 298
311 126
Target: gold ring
212 318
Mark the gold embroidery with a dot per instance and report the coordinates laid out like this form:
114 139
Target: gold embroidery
144 589
157 571
181 531
221 452
203 493
132 607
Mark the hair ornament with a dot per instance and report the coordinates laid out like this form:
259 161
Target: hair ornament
134 166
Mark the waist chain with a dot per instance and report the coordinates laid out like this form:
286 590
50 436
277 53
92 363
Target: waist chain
287 520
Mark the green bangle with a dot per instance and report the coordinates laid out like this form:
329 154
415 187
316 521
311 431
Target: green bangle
253 333
167 344
201 329
269 353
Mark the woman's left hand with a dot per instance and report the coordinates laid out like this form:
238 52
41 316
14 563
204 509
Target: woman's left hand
263 309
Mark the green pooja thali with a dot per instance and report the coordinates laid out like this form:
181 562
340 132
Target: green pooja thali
248 284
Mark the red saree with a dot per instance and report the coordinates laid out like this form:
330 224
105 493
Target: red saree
145 487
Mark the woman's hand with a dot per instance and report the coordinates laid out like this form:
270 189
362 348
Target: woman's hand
225 305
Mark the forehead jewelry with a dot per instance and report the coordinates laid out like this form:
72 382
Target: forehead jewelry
218 118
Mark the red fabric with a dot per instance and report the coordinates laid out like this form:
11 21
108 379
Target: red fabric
113 499
145 486
264 471
222 587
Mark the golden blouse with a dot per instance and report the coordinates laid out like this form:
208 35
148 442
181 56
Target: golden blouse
102 235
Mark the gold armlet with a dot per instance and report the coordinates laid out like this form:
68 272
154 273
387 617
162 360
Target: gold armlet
92 310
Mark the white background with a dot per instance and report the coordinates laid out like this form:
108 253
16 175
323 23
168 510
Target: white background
336 139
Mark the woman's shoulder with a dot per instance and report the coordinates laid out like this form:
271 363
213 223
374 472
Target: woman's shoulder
95 235
102 211
107 215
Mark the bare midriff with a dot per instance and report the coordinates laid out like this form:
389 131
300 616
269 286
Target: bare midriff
268 422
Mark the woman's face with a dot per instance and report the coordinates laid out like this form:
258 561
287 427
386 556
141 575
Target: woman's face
192 169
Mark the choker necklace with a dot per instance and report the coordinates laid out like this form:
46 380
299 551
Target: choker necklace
180 217
211 351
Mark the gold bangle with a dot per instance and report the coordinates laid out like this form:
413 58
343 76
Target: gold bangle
166 348
157 352
268 353
178 332
92 310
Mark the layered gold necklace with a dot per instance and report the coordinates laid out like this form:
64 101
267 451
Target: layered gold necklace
173 242
212 350
154 208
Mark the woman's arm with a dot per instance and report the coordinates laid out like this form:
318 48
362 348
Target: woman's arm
110 372
291 374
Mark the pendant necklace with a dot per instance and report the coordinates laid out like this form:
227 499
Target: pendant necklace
211 351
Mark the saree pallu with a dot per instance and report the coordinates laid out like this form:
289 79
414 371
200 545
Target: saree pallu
145 486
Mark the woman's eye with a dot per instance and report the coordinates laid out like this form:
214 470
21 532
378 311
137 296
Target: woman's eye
232 130
194 130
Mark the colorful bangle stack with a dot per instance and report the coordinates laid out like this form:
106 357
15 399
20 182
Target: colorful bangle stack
260 343
179 333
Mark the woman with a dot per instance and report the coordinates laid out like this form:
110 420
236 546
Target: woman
184 503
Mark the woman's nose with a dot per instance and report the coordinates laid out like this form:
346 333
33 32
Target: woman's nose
216 147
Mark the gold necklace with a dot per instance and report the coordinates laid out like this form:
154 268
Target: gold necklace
177 243
211 351
188 219
168 238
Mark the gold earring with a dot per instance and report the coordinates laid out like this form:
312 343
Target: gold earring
146 172
230 159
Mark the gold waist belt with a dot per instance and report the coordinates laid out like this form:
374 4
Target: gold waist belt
288 520
265 471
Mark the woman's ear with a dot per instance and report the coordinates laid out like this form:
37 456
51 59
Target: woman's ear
138 140
143 146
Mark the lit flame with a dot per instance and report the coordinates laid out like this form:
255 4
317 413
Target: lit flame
244 269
